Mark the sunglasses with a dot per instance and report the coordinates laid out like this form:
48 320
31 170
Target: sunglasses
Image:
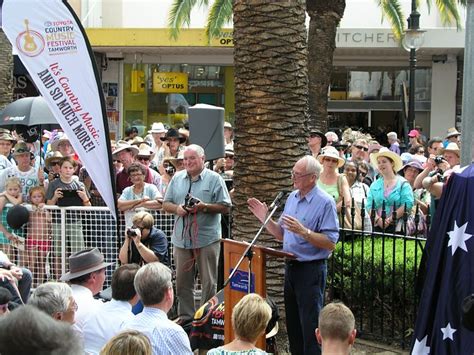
53 163
144 158
229 157
365 149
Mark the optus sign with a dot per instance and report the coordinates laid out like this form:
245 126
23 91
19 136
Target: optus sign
170 83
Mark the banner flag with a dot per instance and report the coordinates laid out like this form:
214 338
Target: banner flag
449 277
53 47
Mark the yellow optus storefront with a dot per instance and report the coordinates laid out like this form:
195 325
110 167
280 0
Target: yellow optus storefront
160 78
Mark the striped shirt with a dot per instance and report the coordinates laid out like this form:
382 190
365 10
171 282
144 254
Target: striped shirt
166 337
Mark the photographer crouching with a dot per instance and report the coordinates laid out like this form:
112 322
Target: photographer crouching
144 243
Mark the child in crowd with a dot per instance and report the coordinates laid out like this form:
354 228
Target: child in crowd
12 194
38 242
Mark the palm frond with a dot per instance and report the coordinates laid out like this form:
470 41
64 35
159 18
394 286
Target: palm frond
219 15
392 10
180 15
449 12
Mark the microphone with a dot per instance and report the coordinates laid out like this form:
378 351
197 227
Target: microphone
278 198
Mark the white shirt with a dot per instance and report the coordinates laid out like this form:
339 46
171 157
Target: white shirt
104 324
87 305
166 337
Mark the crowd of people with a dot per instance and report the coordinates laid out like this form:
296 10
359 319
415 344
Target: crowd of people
163 171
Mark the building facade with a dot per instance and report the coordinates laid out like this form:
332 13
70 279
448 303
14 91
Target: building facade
148 77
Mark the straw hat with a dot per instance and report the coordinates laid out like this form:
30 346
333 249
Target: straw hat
84 262
331 152
453 147
385 152
144 150
53 156
123 145
452 132
157 127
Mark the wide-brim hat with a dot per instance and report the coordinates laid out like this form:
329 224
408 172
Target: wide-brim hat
84 262
144 150
452 132
173 133
60 137
452 147
324 140
6 136
136 141
52 156
21 148
123 145
385 152
415 163
331 152
157 127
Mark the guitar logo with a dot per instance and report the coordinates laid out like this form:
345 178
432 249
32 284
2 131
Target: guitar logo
30 42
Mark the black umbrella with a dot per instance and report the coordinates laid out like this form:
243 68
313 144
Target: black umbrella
27 116
29 111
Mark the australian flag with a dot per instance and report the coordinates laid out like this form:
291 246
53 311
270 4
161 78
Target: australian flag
449 272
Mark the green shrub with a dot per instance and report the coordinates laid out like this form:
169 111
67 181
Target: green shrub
377 281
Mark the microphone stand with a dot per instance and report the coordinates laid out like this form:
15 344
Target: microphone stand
248 253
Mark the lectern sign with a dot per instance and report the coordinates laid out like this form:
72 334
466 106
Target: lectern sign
240 281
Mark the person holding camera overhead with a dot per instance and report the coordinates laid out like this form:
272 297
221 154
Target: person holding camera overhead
197 196
144 243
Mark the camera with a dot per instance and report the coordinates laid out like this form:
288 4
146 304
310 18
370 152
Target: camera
190 201
170 170
131 233
56 176
438 159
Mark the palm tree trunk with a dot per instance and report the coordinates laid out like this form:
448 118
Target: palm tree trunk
324 19
270 58
6 71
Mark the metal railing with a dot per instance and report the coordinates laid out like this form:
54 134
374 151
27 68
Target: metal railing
375 272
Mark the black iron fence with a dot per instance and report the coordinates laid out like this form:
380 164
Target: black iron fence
375 271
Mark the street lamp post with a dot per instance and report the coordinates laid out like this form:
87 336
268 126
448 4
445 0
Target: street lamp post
412 41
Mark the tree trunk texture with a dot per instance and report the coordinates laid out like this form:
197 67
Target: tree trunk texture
6 71
324 19
270 58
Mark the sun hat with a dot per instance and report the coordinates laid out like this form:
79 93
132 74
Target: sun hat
453 147
315 132
173 133
84 262
415 163
5 135
157 127
123 145
51 157
331 152
385 152
58 138
137 141
20 148
413 133
452 132
228 125
144 150
374 146
229 151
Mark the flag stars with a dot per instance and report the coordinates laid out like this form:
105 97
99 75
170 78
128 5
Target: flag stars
420 347
458 237
448 332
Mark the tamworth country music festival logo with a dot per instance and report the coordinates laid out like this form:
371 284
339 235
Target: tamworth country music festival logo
58 38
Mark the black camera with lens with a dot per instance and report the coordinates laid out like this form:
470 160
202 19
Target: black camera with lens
56 176
190 201
131 233
170 170
438 159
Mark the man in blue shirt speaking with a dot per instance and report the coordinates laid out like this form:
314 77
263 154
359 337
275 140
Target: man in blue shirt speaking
309 229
